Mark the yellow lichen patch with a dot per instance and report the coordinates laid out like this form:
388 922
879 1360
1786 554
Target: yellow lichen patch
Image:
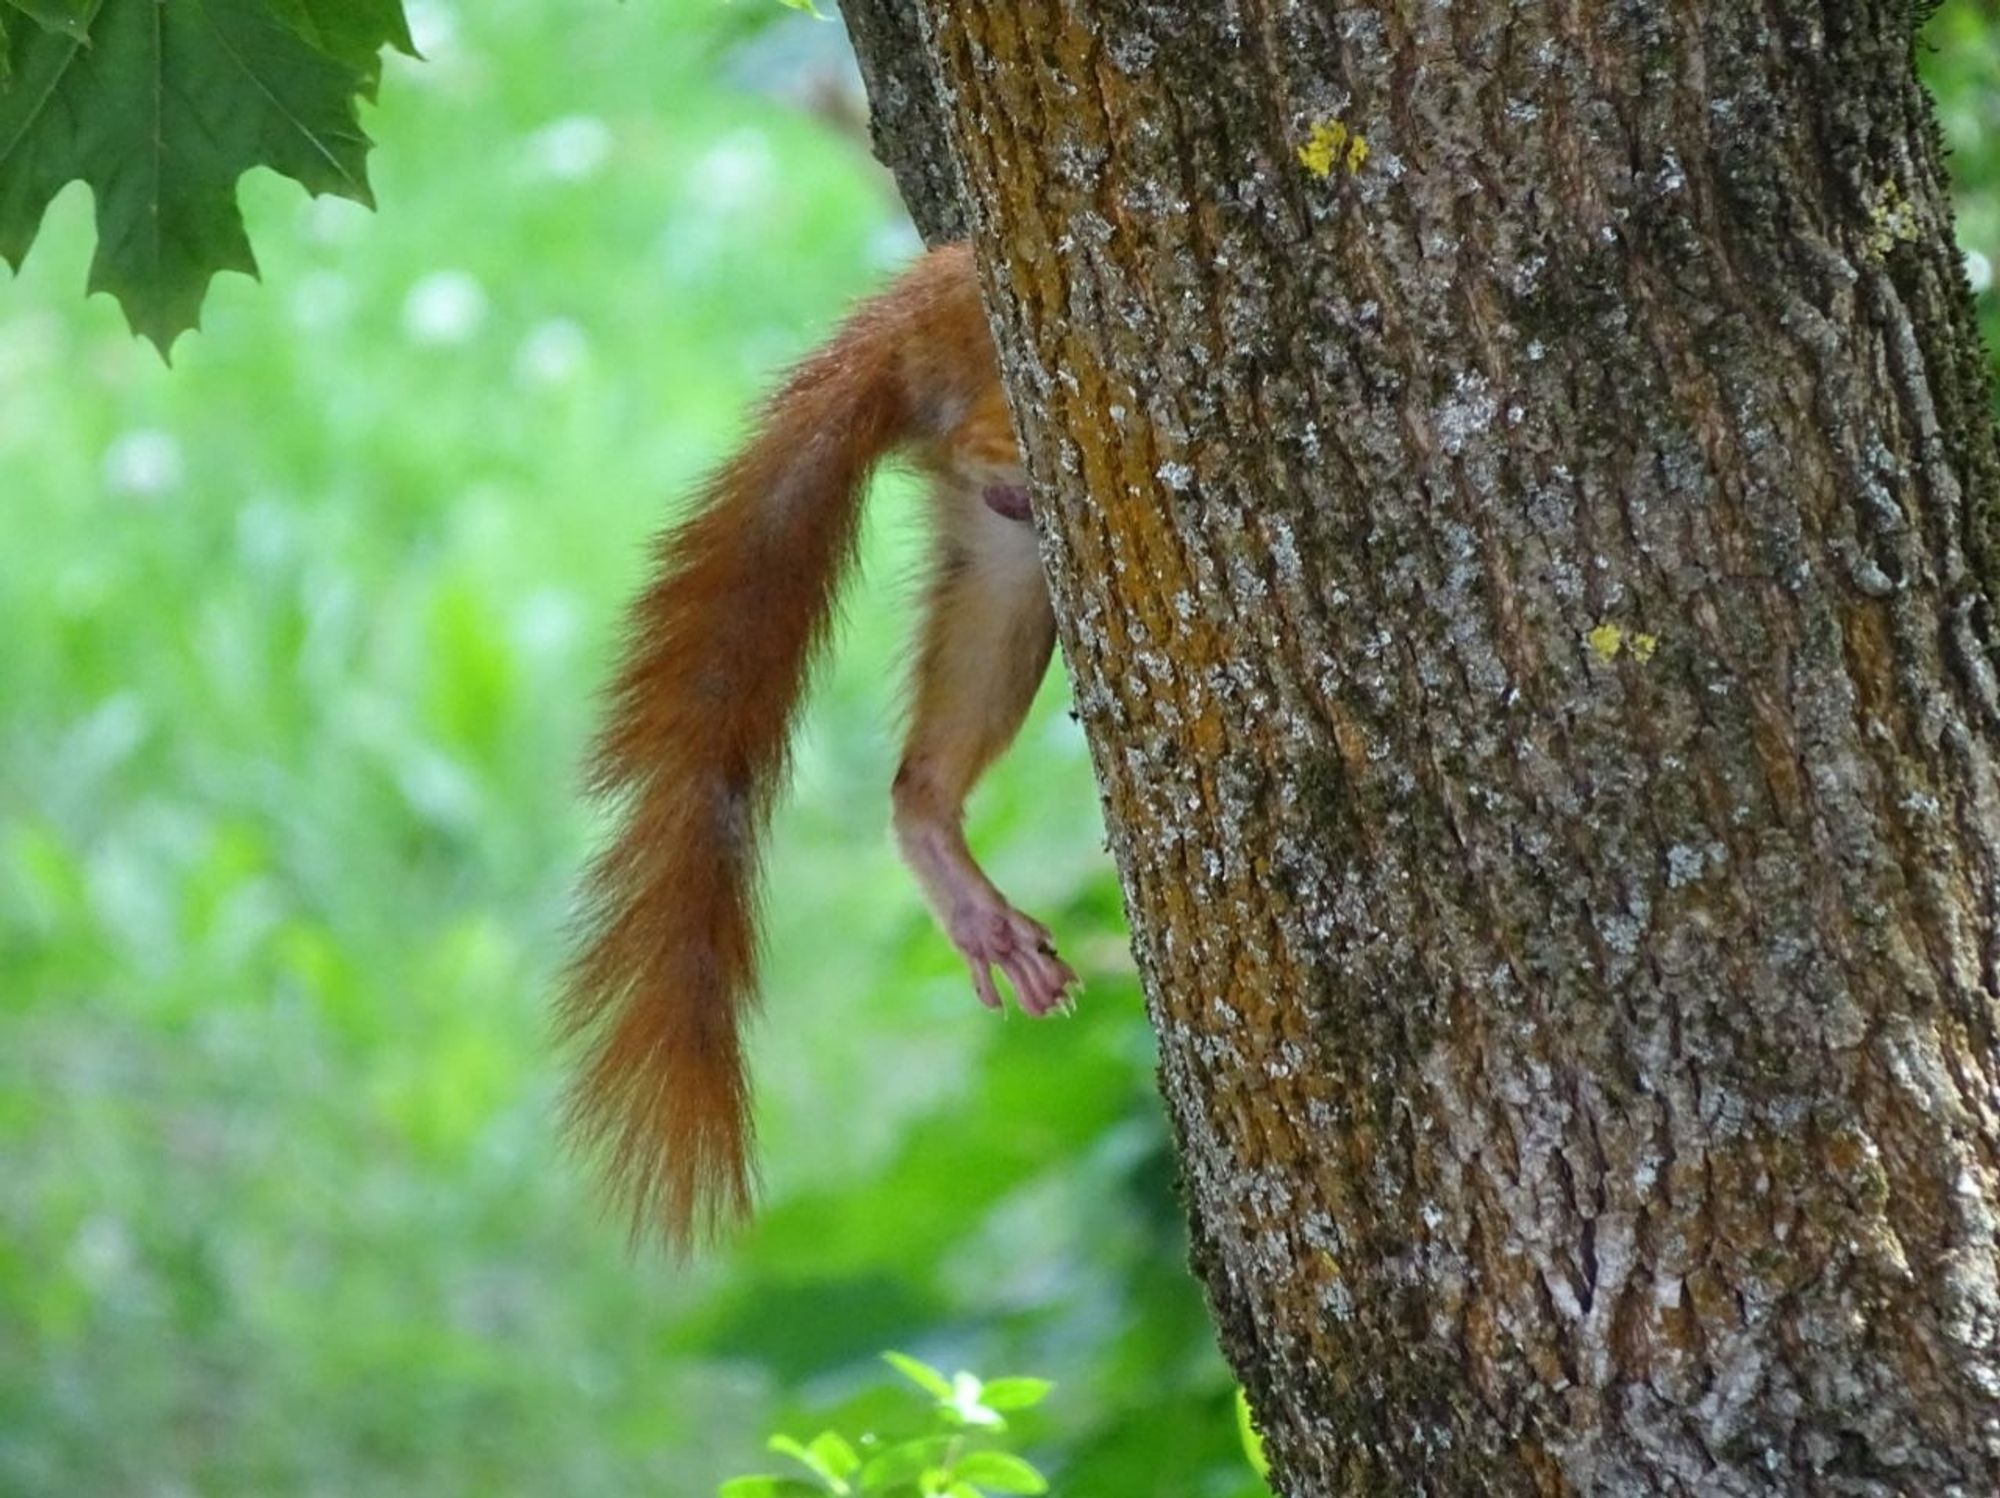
1608 639
1332 144
1892 219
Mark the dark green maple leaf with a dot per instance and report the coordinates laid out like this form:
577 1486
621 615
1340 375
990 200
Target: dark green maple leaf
355 31
58 15
160 105
65 16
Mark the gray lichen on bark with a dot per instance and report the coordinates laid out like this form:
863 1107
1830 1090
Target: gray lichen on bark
1527 582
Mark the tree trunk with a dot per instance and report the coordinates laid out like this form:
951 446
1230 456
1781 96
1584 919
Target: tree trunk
1517 482
907 116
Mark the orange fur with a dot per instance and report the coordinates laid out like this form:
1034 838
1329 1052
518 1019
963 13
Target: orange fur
719 650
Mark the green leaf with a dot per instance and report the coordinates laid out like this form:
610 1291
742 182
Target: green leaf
64 16
906 1461
829 1456
786 1446
832 1455
1015 1393
354 31
769 1487
923 1375
160 111
999 1472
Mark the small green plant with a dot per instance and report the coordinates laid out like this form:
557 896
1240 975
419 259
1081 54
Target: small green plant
958 1453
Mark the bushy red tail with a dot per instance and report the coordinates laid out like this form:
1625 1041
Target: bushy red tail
717 656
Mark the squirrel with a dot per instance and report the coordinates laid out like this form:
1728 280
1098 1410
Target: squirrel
693 752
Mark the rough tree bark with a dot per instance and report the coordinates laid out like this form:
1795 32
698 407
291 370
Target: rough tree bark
1528 584
908 118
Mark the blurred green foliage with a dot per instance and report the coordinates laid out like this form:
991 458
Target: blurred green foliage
1960 59
961 1447
298 646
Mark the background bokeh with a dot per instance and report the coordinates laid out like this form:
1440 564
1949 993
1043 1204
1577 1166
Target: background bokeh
298 646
